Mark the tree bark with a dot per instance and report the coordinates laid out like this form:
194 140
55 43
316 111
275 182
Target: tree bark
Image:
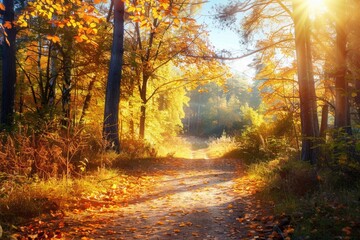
8 68
112 98
324 120
52 76
342 111
308 109
87 100
143 91
66 88
142 121
357 97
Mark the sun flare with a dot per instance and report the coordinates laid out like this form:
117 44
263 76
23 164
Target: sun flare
316 5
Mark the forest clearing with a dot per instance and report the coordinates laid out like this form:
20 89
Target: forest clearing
180 119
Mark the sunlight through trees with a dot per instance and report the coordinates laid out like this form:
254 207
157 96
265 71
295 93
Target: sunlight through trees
91 85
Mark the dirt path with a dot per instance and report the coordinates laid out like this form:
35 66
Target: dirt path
191 199
206 199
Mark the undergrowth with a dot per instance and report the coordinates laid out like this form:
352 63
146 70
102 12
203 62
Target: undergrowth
323 204
174 147
218 147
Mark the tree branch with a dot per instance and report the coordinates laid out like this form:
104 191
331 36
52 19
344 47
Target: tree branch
242 56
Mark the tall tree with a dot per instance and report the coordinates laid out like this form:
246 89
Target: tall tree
112 98
286 20
308 110
9 65
342 109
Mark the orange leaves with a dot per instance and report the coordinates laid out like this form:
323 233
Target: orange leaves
176 21
84 18
164 4
146 11
54 39
7 25
185 224
99 1
2 6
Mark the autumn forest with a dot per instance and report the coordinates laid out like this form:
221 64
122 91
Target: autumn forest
123 119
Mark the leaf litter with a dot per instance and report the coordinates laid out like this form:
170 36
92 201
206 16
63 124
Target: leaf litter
191 199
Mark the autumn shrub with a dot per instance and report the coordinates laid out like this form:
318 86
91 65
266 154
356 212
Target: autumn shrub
257 147
218 147
137 148
49 153
263 137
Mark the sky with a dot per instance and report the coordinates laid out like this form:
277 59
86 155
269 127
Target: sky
227 40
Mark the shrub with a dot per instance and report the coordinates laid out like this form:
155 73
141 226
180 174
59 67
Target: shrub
47 154
286 177
137 148
341 152
218 147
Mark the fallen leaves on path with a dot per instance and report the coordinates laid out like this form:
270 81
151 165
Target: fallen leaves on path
258 220
193 199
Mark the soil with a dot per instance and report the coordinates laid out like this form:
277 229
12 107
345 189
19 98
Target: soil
195 198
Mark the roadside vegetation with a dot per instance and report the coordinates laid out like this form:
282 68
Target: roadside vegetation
320 202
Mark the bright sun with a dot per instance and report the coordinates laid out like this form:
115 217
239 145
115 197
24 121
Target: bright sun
316 5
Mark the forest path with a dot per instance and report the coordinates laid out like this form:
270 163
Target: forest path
189 199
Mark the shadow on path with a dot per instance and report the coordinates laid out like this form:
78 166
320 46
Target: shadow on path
189 199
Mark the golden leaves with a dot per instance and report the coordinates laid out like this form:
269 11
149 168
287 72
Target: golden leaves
146 11
84 18
54 39
176 21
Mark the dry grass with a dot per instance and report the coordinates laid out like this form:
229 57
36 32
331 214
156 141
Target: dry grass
218 147
175 147
22 198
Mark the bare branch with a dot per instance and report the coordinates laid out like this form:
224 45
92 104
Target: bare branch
242 56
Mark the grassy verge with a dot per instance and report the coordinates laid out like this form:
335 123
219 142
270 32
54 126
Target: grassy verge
322 204
22 199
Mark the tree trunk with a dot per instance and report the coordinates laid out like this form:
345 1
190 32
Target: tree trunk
357 97
342 111
87 100
8 68
112 98
66 88
52 76
142 121
308 111
143 92
324 121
